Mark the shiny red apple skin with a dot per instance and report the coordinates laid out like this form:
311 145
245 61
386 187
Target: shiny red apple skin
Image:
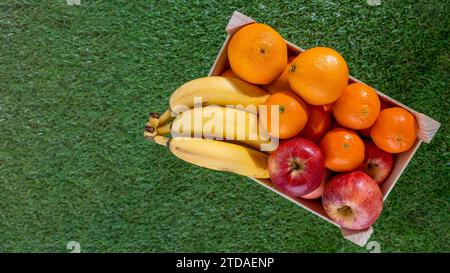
317 193
319 121
297 167
377 163
353 200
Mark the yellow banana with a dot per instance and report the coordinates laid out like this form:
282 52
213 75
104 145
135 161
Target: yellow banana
218 90
215 90
218 155
222 123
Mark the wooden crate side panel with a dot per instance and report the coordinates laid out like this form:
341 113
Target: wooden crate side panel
310 205
221 62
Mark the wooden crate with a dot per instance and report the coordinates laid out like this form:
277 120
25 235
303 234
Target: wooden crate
427 129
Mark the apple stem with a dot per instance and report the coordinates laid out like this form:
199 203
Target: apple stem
345 211
370 166
295 166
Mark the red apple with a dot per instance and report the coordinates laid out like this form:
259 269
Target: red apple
317 193
377 163
384 105
353 200
334 125
319 121
365 132
297 167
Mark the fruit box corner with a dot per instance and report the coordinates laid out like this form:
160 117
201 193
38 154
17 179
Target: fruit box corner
427 129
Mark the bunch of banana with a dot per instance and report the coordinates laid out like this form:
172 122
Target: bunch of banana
204 139
215 90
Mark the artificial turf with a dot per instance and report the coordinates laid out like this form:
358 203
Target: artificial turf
77 84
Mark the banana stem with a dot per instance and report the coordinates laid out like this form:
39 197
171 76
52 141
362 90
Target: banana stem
165 129
154 119
149 131
165 118
164 141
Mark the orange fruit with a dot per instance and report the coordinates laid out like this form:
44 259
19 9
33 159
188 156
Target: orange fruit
319 75
343 150
282 82
358 107
257 54
229 73
293 114
319 121
395 130
366 132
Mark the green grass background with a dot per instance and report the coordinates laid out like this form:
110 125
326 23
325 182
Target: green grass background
77 83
